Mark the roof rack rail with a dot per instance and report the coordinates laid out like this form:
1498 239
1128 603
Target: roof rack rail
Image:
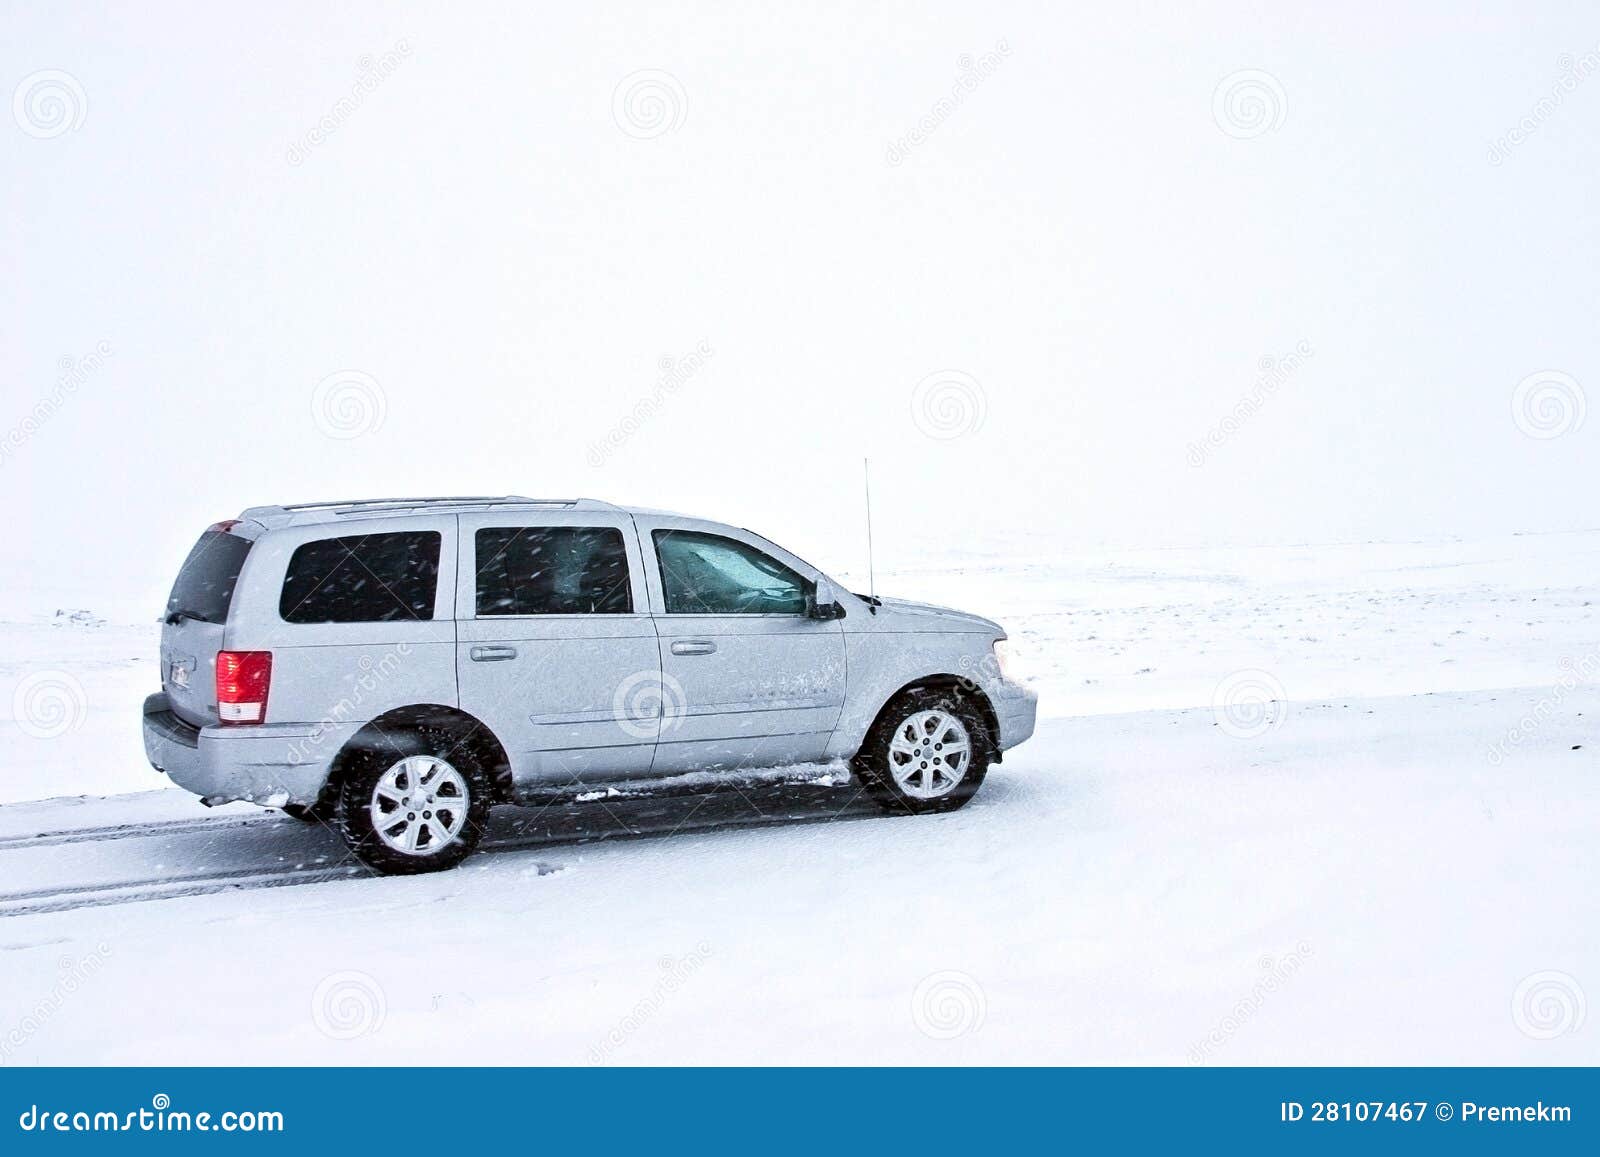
461 500
310 512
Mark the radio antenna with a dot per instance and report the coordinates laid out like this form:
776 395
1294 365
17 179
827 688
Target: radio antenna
866 484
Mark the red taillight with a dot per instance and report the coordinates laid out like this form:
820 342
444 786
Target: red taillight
243 678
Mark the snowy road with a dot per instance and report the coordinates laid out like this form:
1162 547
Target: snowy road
1360 883
1384 876
132 862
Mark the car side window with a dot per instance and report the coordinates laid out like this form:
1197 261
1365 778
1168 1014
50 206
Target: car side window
706 574
552 570
369 578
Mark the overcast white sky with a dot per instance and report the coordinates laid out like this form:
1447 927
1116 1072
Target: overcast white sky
1092 250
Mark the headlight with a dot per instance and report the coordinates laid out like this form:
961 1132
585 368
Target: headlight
1005 659
1014 664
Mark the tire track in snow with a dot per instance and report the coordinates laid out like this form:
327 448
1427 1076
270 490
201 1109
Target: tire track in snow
658 819
95 835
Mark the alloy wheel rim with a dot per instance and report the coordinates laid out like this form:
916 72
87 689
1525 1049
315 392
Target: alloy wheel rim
419 805
929 754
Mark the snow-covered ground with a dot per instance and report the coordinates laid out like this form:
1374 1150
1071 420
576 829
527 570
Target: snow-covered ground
1393 864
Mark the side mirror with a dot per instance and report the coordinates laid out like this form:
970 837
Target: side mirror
823 603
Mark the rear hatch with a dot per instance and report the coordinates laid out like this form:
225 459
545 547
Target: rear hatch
197 616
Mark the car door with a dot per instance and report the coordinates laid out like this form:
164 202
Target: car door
748 678
556 648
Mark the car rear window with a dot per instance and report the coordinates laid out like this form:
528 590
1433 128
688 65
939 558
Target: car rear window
370 578
552 570
204 587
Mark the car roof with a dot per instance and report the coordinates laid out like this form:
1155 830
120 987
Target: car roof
312 513
273 518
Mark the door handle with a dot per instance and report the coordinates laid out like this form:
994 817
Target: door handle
694 647
492 654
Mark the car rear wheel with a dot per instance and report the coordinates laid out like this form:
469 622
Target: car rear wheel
419 805
928 752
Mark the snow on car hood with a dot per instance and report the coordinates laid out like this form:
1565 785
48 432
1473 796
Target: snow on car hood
927 617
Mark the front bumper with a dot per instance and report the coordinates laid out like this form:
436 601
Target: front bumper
270 764
1017 708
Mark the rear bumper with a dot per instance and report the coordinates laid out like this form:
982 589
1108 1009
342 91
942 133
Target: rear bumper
273 764
1017 708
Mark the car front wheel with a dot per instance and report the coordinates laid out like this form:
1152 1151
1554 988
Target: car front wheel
928 752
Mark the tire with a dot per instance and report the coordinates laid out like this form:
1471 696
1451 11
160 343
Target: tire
931 722
433 837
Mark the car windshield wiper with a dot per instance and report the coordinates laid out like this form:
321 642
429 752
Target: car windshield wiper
182 613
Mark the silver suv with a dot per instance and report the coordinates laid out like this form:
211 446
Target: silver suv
398 666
